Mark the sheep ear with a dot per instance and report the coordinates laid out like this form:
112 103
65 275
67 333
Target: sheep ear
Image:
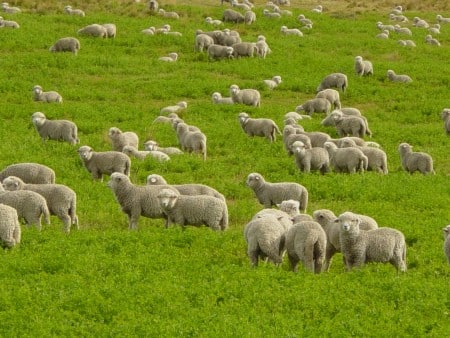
445 229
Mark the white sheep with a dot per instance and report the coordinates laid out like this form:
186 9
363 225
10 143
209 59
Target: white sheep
398 78
290 207
383 27
218 99
10 10
407 43
10 232
290 31
435 29
273 82
349 160
303 20
334 80
203 41
263 47
69 10
446 231
166 119
316 105
171 57
68 44
142 154
415 161
61 200
60 130
271 15
244 49
331 95
191 141
230 15
259 127
350 125
151 145
29 173
402 30
111 30
50 96
317 9
384 245
445 116
153 6
383 35
214 22
95 30
315 158
250 97
249 17
431 41
220 52
440 19
377 158
104 163
120 139
169 15
8 23
149 31
399 18
193 210
397 10
363 67
178 108
269 194
418 22
292 134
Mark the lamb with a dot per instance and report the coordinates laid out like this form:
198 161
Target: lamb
400 17
398 78
153 6
10 232
259 127
306 242
383 35
272 15
220 52
445 116
295 116
215 23
68 44
315 158
432 41
169 15
61 200
250 97
249 17
316 105
348 160
149 31
154 146
179 107
269 194
397 10
435 29
218 99
440 19
121 139
340 142
273 82
8 23
363 67
402 30
290 31
61 130
136 201
230 15
382 27
446 232
203 41
316 138
29 205
244 49
94 30
409 43
191 189
50 96
303 20
104 163
334 80
350 125
171 57
331 95
291 135
191 141
193 210
243 6
317 9
111 30
11 10
68 9
142 154
415 161
377 158
418 22
263 47
379 245
29 173
290 207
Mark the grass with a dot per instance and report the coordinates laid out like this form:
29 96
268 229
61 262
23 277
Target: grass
104 280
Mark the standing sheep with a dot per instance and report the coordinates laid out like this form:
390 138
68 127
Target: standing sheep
250 97
331 95
94 30
230 15
334 80
29 173
363 67
50 96
202 41
446 232
220 52
259 127
10 231
398 78
348 160
244 49
315 158
263 47
377 158
269 194
445 116
316 105
60 130
121 139
191 141
350 125
68 44
415 161
153 6
111 30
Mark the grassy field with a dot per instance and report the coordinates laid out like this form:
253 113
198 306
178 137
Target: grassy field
104 280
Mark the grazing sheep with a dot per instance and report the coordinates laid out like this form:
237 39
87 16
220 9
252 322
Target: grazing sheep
250 97
445 116
263 47
61 200
249 17
142 154
60 130
272 15
334 80
107 162
169 15
349 160
193 210
408 43
230 15
398 78
259 127
379 245
29 173
121 139
383 35
174 109
363 67
316 105
68 9
290 31
8 23
136 201
315 158
331 95
402 30
220 52
171 57
306 242
273 82
11 10
191 141
351 111
415 161
247 49
350 125
154 146
203 41
440 19
269 194
215 23
111 30
377 158
446 232
218 99
50 96
68 44
431 41
95 30
354 139
10 231
153 6
29 205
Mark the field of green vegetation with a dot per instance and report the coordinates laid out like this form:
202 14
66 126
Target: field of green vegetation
104 280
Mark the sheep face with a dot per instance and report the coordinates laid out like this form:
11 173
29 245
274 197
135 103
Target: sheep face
254 180
234 89
243 117
12 183
151 145
404 148
116 180
291 207
38 119
167 199
85 153
446 231
349 222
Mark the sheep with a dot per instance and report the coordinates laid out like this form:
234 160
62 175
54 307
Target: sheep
169 15
180 106
190 128
11 10
68 44
263 47
331 95
295 116
379 245
446 232
101 163
60 130
220 52
431 41
316 138
193 210
229 40
435 29
273 82
243 6
10 232
249 17
135 200
317 9
445 116
8 23
120 139
153 6
316 105
290 31
61 200
68 9
272 15
291 135
149 31
244 49
329 222
269 194
29 205
363 67
400 17
415 161
191 189
154 146
382 27
334 80
350 125
303 20
111 30
402 30
42 96
440 19
171 57
191 141
218 99
142 154
315 158
259 127
409 43
290 207
306 242
397 10
383 35
418 22
230 15
340 142
398 78
29 173
377 158
215 23
203 41
250 97
94 30
348 160
166 119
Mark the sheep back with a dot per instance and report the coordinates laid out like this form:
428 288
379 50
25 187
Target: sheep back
29 173
10 232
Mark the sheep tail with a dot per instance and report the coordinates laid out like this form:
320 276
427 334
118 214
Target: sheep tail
304 201
203 149
46 213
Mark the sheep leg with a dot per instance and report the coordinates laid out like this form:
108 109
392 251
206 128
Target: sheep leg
329 253
132 221
293 260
